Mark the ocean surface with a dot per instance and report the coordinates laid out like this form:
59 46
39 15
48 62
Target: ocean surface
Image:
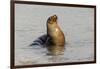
76 23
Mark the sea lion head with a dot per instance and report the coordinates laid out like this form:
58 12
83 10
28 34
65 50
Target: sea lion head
52 19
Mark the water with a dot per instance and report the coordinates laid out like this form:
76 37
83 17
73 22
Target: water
76 23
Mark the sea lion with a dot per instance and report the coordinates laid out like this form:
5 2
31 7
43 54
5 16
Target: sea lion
56 36
54 40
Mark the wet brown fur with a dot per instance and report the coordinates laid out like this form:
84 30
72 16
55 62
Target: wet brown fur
57 38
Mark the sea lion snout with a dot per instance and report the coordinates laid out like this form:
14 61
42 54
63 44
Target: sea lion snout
54 18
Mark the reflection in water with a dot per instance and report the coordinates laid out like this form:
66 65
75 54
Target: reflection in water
37 54
55 50
55 59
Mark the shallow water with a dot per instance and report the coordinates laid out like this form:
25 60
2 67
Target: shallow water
77 25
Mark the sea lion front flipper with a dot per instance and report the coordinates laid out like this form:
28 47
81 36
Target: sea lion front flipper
40 41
